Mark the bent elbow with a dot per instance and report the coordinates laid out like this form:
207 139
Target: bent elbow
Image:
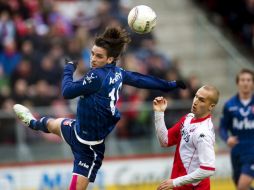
212 173
65 94
163 144
66 97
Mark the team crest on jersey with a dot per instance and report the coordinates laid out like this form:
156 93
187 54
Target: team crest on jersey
88 79
233 108
192 130
245 113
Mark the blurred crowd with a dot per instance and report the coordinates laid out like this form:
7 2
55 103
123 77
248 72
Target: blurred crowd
237 15
36 36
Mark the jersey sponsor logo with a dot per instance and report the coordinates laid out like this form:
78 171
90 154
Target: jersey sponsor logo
117 77
185 135
243 124
202 135
83 164
88 79
245 113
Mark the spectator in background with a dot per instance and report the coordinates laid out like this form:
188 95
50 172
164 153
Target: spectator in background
10 57
134 119
5 90
44 93
20 25
59 24
8 135
49 71
20 91
31 54
7 29
194 160
22 71
237 129
237 15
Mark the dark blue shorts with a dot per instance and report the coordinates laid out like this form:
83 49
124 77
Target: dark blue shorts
87 158
241 166
248 169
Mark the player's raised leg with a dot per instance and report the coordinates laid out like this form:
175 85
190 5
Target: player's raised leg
45 124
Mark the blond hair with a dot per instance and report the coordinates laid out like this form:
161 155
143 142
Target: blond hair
214 91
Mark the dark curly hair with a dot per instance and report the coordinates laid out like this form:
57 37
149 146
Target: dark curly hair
114 40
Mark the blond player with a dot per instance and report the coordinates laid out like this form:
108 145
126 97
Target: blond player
194 160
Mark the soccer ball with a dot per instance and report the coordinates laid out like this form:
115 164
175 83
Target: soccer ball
142 19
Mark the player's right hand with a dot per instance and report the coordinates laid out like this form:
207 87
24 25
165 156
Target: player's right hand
69 61
232 141
160 104
166 185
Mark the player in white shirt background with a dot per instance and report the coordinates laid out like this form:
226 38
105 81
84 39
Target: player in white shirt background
194 160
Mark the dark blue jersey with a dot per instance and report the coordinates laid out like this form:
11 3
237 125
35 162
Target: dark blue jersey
99 91
238 120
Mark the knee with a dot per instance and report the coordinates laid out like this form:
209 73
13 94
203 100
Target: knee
53 125
242 187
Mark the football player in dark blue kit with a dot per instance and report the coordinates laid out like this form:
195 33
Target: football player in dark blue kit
98 92
237 130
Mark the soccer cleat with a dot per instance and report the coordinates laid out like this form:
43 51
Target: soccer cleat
24 114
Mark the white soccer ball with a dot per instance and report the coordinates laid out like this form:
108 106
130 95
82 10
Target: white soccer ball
142 19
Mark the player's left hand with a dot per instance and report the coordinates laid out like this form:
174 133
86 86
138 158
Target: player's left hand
166 185
180 84
232 141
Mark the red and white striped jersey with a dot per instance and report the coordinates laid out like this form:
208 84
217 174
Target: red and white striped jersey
195 140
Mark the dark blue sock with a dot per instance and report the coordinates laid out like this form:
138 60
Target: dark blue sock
40 125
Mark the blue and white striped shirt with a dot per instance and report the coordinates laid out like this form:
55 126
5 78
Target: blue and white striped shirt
99 91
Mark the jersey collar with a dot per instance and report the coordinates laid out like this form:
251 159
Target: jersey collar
194 120
113 64
238 99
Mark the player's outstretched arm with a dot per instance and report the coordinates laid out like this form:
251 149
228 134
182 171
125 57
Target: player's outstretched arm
150 82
